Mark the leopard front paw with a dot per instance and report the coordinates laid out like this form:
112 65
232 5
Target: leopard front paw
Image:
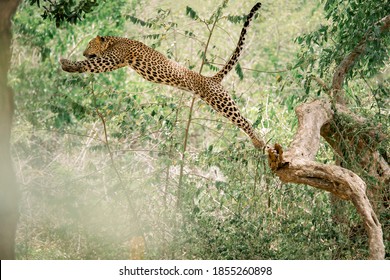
69 66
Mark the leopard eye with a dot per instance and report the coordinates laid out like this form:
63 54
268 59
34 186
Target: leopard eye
92 56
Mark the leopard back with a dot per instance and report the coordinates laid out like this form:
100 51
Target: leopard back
108 53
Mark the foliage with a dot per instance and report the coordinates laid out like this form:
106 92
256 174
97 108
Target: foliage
348 23
62 11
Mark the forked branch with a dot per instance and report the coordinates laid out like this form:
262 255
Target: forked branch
298 165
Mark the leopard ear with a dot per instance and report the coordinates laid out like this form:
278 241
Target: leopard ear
100 39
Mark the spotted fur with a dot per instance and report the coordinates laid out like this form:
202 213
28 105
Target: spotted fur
107 53
237 52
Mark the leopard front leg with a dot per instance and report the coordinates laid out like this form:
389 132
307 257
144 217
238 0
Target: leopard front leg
93 65
70 66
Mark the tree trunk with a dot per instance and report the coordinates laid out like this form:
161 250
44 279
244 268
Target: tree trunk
339 127
298 165
8 187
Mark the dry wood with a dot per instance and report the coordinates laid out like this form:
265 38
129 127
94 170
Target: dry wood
316 119
298 165
363 145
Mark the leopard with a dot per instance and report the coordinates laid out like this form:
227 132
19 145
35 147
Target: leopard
108 53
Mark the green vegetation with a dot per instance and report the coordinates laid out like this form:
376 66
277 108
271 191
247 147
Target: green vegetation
105 158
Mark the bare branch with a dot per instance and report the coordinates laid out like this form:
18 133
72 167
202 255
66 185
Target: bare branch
321 83
297 165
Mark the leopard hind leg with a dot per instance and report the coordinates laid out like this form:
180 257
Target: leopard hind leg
220 100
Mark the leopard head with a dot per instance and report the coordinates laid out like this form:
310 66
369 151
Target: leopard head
96 47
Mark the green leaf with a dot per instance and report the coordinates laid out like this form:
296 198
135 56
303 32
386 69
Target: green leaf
239 72
191 13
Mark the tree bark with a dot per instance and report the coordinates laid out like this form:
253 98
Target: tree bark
358 138
298 165
339 127
8 187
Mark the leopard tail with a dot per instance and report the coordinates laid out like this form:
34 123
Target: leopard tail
237 52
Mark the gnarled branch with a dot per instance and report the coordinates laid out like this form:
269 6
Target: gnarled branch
298 165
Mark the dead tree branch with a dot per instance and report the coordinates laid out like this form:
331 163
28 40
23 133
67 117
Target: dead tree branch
298 165
358 134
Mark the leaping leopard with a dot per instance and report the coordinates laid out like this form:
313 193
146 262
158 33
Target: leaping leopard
107 53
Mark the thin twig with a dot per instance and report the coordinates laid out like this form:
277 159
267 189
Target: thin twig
251 69
321 83
185 142
121 183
